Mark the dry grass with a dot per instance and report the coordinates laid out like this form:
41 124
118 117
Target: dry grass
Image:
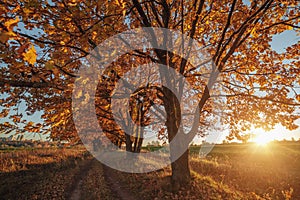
155 185
39 174
229 172
26 159
270 172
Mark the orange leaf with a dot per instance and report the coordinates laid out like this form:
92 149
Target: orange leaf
298 97
30 55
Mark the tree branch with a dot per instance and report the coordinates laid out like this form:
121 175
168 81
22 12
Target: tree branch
28 84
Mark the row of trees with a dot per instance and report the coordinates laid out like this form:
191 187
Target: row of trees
43 44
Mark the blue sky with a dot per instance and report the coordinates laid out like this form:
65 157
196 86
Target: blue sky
283 40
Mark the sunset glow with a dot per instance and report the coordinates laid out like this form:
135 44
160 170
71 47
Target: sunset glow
262 137
279 133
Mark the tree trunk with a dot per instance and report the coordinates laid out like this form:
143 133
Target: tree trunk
180 172
140 145
180 167
135 144
120 143
128 143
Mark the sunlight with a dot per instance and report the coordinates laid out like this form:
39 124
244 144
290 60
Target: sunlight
262 138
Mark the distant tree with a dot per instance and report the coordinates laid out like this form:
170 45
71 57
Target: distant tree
225 142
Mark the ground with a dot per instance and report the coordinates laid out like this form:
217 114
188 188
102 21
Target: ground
229 172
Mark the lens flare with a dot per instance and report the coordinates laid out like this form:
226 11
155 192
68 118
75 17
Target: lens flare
262 138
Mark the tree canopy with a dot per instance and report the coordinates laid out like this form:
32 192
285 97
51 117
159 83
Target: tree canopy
43 43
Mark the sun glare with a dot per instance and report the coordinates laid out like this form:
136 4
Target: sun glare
261 141
262 138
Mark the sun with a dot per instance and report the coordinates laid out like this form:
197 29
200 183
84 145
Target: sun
262 138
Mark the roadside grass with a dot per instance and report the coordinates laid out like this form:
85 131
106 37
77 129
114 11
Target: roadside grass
39 174
16 160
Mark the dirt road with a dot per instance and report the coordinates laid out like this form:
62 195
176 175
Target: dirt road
96 181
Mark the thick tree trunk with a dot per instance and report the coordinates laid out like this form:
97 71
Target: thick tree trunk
180 172
180 166
128 143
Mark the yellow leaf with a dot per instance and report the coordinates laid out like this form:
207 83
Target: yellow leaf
118 3
6 35
289 27
30 55
254 33
9 24
65 50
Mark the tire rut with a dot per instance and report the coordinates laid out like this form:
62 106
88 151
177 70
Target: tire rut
75 193
116 187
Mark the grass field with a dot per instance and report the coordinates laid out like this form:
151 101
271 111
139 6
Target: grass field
230 171
271 171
